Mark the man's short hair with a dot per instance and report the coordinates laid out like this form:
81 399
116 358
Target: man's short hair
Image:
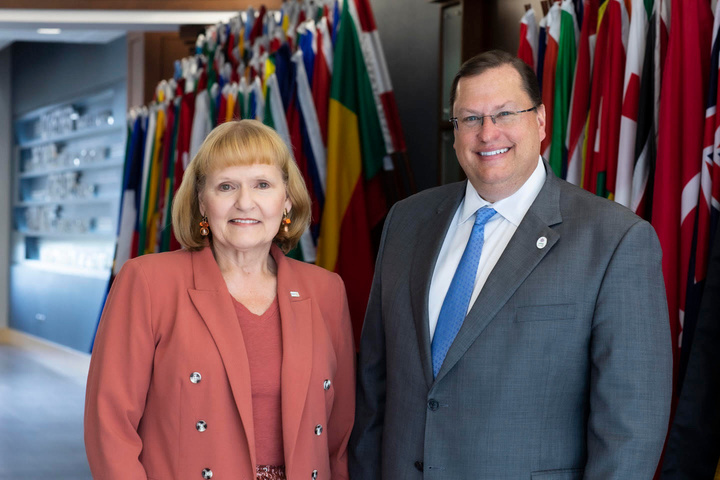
482 62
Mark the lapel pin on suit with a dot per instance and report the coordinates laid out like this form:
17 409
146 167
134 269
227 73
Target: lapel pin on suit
541 242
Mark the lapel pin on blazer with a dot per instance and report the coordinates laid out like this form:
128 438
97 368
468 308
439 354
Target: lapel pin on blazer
541 242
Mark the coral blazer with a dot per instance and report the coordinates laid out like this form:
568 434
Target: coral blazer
170 355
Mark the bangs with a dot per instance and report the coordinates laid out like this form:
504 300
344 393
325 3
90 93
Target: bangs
231 147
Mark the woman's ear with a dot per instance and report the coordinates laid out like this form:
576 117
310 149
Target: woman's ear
201 205
288 204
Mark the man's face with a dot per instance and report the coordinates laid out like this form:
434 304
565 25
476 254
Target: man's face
497 159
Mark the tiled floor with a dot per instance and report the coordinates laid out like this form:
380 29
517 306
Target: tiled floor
42 397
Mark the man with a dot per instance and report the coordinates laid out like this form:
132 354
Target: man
562 367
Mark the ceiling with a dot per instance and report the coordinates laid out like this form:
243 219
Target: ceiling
96 26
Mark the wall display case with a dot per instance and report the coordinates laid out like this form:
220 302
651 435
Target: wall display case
68 171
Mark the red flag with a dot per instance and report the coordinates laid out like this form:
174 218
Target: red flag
222 109
606 103
322 74
580 101
631 101
700 249
527 50
182 149
680 145
258 25
613 93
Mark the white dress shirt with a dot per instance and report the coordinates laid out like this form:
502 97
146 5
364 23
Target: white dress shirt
498 232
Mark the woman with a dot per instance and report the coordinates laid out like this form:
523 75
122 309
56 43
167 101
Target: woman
226 359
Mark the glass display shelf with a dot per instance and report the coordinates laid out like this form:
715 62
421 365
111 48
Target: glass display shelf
110 163
100 273
65 201
69 236
74 135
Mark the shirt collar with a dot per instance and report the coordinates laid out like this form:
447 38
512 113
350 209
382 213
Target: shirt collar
512 208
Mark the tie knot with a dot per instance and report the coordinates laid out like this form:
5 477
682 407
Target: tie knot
483 215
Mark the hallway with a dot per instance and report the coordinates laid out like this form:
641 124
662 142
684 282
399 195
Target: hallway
42 394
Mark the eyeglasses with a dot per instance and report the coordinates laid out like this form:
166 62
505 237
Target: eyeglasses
501 119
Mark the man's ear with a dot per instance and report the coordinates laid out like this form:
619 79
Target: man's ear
541 116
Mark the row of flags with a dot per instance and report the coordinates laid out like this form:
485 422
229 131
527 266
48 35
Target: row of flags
631 91
315 72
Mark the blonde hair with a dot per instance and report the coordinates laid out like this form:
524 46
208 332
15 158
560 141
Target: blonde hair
240 142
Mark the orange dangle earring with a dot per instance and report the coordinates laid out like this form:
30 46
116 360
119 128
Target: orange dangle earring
285 221
204 227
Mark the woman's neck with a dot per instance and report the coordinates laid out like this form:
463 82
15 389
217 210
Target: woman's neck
251 263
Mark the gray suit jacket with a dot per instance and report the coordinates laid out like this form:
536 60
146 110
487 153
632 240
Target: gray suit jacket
562 368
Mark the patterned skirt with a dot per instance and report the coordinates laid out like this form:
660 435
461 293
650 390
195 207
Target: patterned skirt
270 472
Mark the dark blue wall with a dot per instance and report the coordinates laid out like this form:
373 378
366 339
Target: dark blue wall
48 73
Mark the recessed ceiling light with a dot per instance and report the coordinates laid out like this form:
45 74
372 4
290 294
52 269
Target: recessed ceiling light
49 31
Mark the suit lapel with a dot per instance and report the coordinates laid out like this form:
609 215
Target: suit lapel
296 317
430 238
214 304
519 259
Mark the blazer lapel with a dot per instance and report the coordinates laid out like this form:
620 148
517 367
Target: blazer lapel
517 262
296 317
430 238
214 304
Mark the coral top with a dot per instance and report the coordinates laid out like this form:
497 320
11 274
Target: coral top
263 342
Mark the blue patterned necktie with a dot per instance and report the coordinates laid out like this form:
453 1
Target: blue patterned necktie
457 299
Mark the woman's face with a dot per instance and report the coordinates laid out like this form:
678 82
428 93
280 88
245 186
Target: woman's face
244 205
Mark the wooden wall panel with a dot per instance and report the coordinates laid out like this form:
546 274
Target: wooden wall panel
161 51
136 69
